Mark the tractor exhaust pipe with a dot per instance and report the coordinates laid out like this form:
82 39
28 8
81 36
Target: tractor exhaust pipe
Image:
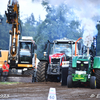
87 51
76 46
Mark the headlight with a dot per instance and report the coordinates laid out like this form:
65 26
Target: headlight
86 62
79 62
24 69
65 63
16 61
45 53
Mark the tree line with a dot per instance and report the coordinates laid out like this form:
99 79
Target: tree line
60 22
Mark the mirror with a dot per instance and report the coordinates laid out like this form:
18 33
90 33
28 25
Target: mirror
45 53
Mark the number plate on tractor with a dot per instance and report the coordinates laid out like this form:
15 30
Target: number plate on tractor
80 72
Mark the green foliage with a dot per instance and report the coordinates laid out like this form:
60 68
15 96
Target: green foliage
60 22
4 33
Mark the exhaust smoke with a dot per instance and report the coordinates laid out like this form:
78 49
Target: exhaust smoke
89 32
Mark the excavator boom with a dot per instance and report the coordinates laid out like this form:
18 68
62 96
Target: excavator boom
12 15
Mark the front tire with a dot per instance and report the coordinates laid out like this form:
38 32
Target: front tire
69 81
93 82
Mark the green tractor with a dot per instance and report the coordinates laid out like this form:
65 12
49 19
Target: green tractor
81 71
96 64
86 68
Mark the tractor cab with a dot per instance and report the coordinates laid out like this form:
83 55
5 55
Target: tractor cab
62 50
57 58
26 52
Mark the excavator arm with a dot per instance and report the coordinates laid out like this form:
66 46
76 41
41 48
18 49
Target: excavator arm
12 15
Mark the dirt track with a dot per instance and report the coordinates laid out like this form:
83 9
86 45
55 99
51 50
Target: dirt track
39 91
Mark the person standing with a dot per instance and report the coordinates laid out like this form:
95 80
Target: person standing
5 69
0 72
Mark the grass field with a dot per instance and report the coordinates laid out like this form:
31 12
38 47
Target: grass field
9 83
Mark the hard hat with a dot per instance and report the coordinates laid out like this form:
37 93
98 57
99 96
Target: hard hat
5 61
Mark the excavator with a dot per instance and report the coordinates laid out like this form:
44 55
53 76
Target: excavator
21 56
12 18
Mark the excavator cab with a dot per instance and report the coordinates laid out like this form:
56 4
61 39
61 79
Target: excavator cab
26 52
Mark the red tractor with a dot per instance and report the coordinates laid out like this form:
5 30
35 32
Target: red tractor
56 59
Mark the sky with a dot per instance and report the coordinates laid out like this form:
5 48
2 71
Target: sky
83 8
26 8
88 11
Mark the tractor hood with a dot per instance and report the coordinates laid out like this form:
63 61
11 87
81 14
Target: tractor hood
57 55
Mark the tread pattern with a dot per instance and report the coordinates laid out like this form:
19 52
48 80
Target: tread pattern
28 72
41 72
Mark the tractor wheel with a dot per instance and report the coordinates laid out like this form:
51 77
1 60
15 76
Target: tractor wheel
71 71
28 72
64 76
93 82
41 72
69 81
97 75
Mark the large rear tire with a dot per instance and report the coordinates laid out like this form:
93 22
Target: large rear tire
97 75
41 71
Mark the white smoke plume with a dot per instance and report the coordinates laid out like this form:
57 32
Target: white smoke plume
89 32
88 12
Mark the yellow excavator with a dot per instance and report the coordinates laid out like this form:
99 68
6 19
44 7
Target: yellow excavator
12 18
21 55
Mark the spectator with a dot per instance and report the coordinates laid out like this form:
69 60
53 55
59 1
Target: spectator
5 69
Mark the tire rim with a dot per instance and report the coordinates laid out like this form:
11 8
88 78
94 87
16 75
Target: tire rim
95 83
